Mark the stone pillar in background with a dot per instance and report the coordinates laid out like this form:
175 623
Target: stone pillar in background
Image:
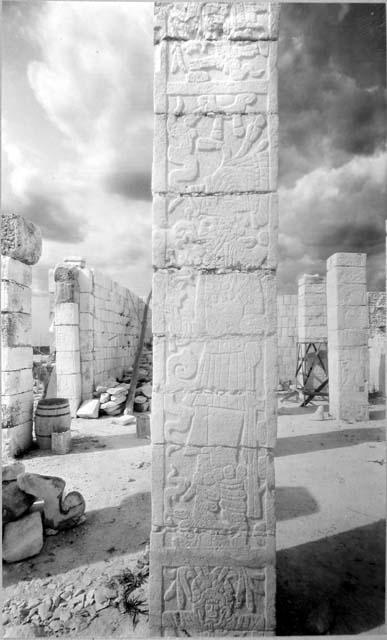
21 246
51 308
312 309
214 319
68 362
347 313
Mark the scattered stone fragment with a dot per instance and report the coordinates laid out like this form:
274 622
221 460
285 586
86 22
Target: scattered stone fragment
89 598
11 470
319 413
44 609
23 631
119 389
124 420
55 625
89 409
104 397
118 399
59 512
15 501
64 615
23 538
146 390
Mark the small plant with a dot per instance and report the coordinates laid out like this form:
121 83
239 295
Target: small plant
125 583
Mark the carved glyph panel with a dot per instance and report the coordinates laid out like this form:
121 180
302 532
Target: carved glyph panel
191 304
215 20
215 232
216 600
223 153
215 77
214 497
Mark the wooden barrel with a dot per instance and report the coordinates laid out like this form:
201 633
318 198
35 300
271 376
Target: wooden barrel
51 415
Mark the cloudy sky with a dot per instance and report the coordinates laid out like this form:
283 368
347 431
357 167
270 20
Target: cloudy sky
77 135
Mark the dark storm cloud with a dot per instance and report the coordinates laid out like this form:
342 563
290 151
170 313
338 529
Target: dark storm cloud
331 84
130 184
53 218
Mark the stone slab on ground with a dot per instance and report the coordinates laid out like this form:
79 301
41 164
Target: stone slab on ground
23 538
89 409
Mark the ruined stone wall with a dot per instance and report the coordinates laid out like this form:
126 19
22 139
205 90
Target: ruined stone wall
97 327
287 305
212 561
377 341
21 245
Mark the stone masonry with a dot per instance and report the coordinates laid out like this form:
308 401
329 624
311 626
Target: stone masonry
97 326
312 309
287 336
347 336
21 245
214 295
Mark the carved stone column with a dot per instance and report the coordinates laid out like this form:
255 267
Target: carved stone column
347 312
214 319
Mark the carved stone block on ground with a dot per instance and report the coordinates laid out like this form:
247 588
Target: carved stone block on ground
23 538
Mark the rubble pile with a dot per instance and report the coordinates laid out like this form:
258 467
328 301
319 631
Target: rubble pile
34 506
68 608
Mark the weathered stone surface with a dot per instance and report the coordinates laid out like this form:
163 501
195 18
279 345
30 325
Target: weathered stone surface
16 271
16 409
15 382
312 309
227 77
16 330
23 538
89 409
18 438
215 21
60 512
15 297
15 502
67 313
212 304
20 239
217 232
347 337
215 154
10 470
16 358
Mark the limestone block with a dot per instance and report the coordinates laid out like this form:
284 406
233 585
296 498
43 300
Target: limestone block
86 340
15 297
10 470
20 239
85 280
16 409
215 21
215 232
86 321
87 370
230 77
75 261
351 317
213 304
67 338
66 313
68 362
15 503
215 154
15 358
352 275
350 337
89 409
16 271
69 386
18 438
347 260
23 538
16 329
60 512
86 303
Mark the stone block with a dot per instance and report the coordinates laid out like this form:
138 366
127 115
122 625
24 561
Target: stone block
215 232
20 239
89 409
15 502
17 439
68 362
16 329
352 275
67 338
85 280
347 260
230 77
10 470
86 303
86 321
15 297
16 409
215 154
249 21
16 271
213 304
347 317
67 313
23 538
86 341
69 386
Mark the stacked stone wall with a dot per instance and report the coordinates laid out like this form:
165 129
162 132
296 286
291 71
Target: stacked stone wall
97 328
377 341
287 336
21 245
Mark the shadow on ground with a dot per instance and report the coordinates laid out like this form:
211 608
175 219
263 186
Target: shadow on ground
329 440
108 532
294 502
337 582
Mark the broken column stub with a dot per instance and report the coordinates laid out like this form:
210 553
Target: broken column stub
214 319
21 245
347 313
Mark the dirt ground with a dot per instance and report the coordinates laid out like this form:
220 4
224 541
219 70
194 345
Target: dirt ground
331 486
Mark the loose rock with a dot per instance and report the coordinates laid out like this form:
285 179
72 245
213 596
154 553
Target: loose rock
15 502
23 538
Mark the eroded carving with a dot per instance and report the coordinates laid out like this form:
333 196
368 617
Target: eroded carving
214 598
